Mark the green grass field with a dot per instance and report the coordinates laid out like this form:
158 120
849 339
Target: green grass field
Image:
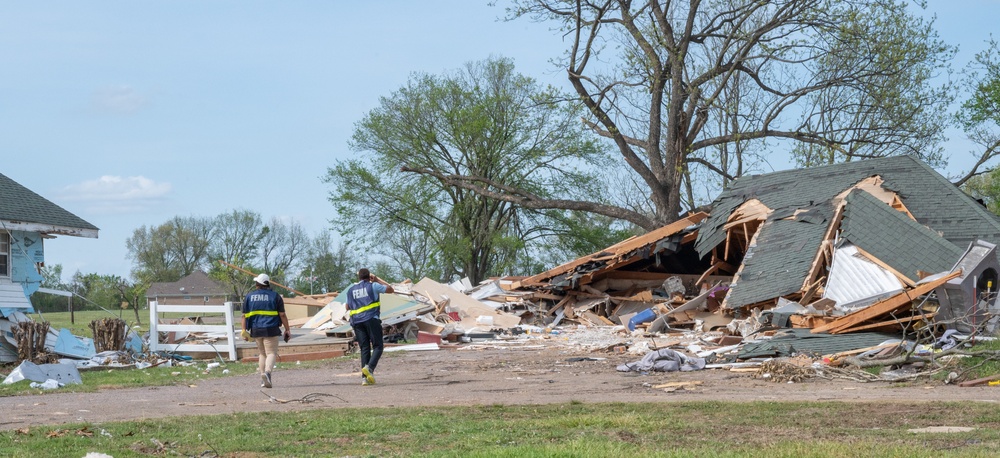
695 429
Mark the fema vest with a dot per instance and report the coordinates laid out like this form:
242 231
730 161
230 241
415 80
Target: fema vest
362 302
261 309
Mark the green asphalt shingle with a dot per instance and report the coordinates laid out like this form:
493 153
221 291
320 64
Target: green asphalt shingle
908 247
930 197
20 204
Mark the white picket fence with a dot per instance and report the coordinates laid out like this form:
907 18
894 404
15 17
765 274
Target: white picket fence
155 328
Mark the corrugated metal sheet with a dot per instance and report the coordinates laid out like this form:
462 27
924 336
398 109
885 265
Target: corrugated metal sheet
856 282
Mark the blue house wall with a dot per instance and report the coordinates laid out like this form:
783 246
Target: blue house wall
26 255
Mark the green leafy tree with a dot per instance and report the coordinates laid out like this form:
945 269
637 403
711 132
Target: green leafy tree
689 91
985 188
484 126
980 117
327 267
170 251
52 279
281 248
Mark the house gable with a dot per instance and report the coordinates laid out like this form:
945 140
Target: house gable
24 210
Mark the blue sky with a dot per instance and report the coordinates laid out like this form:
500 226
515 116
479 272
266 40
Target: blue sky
130 113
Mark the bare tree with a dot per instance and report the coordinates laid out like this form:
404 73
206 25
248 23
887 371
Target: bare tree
684 88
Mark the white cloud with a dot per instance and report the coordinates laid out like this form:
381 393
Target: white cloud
119 99
114 194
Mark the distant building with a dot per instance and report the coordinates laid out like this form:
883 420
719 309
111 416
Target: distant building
195 289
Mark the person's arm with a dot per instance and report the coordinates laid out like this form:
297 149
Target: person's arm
280 305
284 322
244 309
388 287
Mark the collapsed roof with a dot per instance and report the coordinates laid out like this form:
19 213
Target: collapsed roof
781 228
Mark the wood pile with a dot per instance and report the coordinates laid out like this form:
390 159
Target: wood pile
30 336
109 334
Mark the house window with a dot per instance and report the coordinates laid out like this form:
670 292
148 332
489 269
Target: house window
4 255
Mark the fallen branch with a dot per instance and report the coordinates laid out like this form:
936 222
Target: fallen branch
311 397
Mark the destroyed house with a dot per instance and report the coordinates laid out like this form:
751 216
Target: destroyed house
26 220
627 278
794 234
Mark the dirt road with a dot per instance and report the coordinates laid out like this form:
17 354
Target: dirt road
457 377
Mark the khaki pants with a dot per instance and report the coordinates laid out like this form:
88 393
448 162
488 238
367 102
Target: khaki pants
267 353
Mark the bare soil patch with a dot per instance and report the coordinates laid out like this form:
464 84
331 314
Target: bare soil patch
472 375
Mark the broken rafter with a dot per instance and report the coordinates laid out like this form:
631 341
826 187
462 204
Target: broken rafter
893 322
827 244
903 278
619 249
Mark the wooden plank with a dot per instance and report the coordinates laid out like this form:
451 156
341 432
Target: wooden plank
544 295
885 306
979 381
676 384
811 291
630 275
621 248
898 321
828 237
560 305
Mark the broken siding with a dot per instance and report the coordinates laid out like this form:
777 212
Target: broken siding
26 253
893 238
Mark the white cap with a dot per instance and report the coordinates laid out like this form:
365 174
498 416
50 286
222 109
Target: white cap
262 279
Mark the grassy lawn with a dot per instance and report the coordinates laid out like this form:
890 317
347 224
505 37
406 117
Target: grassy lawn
696 429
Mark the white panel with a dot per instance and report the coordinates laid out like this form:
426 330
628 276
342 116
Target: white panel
856 282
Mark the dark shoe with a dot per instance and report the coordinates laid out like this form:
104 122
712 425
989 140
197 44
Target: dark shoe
267 380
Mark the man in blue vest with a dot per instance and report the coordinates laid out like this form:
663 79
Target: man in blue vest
263 315
363 307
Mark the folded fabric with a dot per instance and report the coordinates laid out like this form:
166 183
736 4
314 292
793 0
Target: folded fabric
664 360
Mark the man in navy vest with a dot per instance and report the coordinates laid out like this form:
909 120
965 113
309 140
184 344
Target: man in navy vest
363 307
263 315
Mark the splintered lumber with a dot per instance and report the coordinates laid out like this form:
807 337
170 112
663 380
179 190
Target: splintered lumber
30 337
679 384
619 249
109 334
979 381
892 304
897 321
559 305
836 359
